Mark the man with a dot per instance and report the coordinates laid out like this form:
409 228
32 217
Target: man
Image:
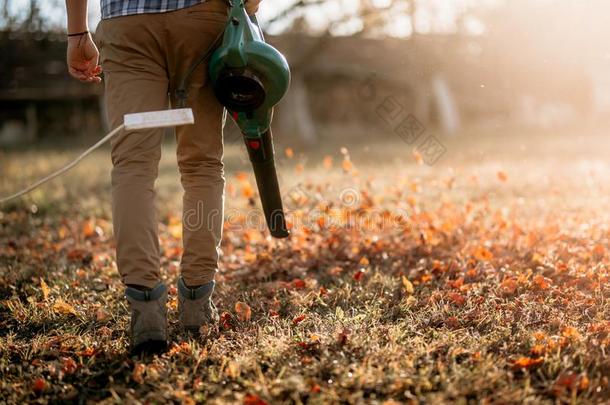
147 46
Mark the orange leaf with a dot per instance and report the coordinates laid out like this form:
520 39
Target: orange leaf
45 289
538 350
527 362
541 282
408 285
242 176
243 311
599 250
289 153
64 308
502 176
570 332
483 254
247 190
508 286
539 335
328 162
89 228
138 373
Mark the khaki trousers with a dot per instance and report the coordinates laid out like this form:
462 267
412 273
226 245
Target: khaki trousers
144 58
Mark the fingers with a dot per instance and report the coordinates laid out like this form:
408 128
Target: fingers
85 76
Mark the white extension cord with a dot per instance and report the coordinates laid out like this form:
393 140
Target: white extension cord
131 122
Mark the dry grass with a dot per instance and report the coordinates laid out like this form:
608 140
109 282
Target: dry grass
491 286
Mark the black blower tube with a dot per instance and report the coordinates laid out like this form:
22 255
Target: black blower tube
263 163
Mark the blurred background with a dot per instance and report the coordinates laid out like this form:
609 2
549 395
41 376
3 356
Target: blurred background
396 67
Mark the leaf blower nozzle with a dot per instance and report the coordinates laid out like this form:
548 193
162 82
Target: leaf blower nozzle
249 78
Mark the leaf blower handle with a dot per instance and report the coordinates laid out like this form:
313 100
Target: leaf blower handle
261 156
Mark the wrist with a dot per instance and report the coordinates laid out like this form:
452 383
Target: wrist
78 34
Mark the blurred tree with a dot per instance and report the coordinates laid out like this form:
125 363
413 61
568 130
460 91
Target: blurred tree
29 15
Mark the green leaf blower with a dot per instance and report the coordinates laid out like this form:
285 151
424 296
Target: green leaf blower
249 78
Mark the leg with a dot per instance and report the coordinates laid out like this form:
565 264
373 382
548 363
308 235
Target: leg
135 82
200 146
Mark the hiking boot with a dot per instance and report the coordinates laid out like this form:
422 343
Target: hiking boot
195 306
148 319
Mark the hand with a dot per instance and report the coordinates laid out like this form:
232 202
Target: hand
252 6
83 58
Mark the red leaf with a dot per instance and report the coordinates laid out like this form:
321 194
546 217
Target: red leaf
298 283
358 275
253 399
69 366
39 385
298 319
456 298
225 320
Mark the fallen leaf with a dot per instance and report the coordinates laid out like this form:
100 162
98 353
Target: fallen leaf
527 362
225 320
327 162
88 228
64 308
483 254
69 366
508 286
232 370
243 311
570 332
252 399
502 176
457 298
45 289
358 275
39 385
289 153
297 320
541 282
101 315
138 373
409 289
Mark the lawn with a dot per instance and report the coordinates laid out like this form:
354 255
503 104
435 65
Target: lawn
483 278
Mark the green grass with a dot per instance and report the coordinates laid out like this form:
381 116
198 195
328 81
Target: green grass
492 288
